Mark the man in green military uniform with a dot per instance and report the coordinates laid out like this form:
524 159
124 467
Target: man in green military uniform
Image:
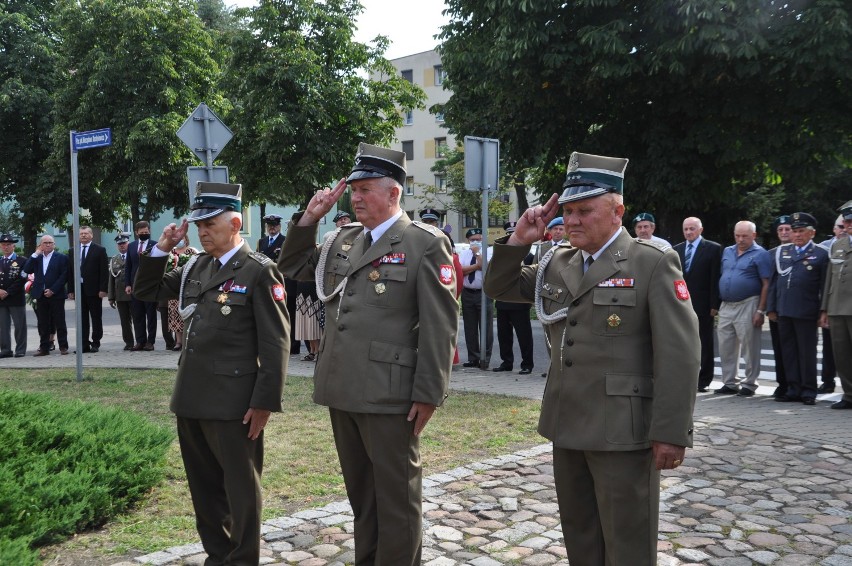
837 306
622 380
231 370
385 357
117 294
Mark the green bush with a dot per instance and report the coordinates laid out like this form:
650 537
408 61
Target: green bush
66 466
18 552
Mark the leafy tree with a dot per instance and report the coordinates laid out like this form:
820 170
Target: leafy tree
708 98
304 94
28 43
140 68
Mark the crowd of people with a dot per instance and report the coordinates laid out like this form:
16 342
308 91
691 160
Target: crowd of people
629 325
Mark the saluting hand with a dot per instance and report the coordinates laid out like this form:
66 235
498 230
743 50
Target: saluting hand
533 222
172 235
321 203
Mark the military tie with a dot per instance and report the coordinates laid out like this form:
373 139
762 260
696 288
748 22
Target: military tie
368 241
687 257
472 275
588 263
217 265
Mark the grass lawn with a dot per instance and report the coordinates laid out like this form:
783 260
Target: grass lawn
300 469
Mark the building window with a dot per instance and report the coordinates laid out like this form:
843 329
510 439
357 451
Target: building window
441 183
409 117
439 74
471 221
409 185
497 221
440 147
246 229
439 117
408 149
408 75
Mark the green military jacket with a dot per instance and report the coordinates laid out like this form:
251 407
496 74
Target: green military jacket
237 338
115 287
625 357
837 295
390 329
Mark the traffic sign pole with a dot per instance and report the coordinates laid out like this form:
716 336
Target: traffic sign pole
78 141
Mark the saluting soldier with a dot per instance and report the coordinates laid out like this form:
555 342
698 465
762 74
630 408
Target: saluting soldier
231 369
117 292
837 306
621 385
385 358
794 299
12 299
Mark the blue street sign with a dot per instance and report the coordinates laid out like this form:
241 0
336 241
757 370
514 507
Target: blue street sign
93 138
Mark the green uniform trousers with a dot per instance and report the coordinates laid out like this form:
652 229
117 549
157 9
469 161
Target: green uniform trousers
609 506
223 469
380 458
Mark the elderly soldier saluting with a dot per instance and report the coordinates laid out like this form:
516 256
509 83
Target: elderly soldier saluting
385 359
622 380
231 370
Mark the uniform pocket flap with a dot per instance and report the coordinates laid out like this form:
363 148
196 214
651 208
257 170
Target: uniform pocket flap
340 267
394 274
393 354
629 384
235 368
556 292
615 297
237 299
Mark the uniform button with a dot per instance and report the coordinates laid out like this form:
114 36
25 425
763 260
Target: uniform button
572 322
350 292
570 341
344 309
396 356
340 327
569 363
615 299
192 333
197 317
236 372
635 389
191 350
576 302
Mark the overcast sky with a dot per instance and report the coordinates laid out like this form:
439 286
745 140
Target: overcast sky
409 24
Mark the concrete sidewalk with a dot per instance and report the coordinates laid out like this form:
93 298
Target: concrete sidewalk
767 483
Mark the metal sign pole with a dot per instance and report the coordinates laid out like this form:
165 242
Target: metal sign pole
75 222
207 149
485 189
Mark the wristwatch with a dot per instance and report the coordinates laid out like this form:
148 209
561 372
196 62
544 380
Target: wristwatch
758 311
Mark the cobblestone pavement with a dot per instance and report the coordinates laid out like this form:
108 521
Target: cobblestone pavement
767 483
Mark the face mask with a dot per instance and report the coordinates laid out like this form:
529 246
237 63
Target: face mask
181 244
144 237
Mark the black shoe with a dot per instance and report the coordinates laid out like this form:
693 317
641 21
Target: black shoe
128 347
745 392
502 368
52 345
94 349
471 364
544 374
826 388
842 405
702 389
809 401
9 355
725 390
525 371
780 391
787 399
20 355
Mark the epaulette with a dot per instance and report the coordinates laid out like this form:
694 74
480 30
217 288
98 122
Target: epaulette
260 258
656 245
429 228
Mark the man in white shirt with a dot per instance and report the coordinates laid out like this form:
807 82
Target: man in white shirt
471 301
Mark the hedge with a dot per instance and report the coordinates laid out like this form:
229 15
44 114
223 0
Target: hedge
67 466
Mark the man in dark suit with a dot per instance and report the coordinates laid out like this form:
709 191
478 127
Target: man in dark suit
621 384
270 245
385 359
781 227
701 260
144 312
231 369
94 285
50 270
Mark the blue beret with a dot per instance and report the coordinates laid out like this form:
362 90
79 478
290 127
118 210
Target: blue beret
558 221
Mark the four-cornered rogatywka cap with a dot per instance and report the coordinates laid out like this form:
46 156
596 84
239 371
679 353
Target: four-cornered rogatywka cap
373 161
212 199
591 176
